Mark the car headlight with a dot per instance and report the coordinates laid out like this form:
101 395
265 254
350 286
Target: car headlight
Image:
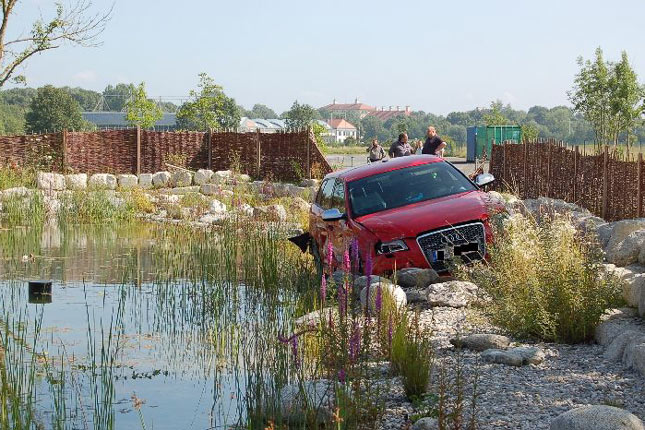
390 247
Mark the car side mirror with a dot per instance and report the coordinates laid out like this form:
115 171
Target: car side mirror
332 214
484 179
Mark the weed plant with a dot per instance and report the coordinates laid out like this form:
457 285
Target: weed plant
93 207
23 210
546 280
13 176
411 356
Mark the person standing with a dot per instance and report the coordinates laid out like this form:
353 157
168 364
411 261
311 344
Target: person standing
376 151
434 145
400 148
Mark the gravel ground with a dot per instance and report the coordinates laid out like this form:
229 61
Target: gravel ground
526 397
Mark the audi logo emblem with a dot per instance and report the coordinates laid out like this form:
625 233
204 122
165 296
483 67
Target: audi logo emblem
450 238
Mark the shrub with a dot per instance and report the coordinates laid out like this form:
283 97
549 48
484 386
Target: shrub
13 176
546 280
411 357
195 201
93 207
140 202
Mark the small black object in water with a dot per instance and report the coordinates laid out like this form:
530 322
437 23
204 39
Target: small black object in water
40 292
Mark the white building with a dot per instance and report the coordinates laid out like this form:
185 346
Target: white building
341 130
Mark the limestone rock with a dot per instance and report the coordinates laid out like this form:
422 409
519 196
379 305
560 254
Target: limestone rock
50 181
103 181
627 251
184 190
313 318
209 189
597 417
631 351
161 179
299 204
221 176
454 294
616 348
271 213
202 176
481 342
16 192
614 322
414 277
217 207
361 281
515 356
181 178
243 178
211 218
245 209
77 181
127 181
426 423
621 229
394 291
309 183
145 180
169 199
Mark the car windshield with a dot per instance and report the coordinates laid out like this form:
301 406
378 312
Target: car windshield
402 187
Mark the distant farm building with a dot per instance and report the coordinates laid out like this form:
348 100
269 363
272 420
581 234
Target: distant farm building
116 120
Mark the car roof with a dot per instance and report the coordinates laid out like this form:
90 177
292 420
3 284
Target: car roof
378 167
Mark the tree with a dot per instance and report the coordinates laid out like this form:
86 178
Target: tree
115 97
12 119
262 111
625 99
299 116
209 108
88 99
53 109
530 131
495 116
76 25
140 110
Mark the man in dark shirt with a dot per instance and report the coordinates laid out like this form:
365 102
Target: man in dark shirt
400 148
434 144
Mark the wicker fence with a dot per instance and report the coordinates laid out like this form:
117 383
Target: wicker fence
281 156
605 184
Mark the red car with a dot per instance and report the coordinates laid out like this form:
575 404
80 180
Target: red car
415 211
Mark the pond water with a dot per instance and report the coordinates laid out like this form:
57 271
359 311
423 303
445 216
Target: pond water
178 318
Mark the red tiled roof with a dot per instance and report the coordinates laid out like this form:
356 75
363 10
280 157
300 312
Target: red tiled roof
384 115
348 106
340 123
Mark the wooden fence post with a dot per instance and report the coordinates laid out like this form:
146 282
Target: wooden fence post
138 149
258 167
639 187
576 154
209 142
605 181
64 151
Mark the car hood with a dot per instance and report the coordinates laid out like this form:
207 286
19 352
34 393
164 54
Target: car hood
411 220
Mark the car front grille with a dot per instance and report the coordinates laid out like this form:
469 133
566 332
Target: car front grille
467 241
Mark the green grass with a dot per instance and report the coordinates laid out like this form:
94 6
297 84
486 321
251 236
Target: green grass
94 207
350 150
546 280
11 177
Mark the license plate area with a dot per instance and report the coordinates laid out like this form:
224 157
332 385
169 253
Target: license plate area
465 241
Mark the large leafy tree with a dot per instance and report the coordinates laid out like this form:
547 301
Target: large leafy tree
76 25
300 116
495 115
209 108
625 99
142 111
53 109
116 97
262 111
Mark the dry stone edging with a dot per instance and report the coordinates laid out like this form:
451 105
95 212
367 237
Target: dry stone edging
518 356
481 342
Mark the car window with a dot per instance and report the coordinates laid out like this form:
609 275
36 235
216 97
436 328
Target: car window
338 198
326 194
405 186
320 192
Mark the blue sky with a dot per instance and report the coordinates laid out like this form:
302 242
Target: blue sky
433 56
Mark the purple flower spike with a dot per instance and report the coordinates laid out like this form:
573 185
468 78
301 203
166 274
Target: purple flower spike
347 262
294 350
341 376
355 251
354 342
341 300
323 289
330 253
378 301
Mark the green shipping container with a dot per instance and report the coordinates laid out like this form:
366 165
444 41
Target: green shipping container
486 135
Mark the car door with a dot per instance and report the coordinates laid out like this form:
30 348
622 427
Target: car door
339 230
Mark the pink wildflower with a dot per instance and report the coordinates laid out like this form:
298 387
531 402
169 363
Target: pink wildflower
323 288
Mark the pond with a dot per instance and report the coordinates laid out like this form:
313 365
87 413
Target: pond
147 326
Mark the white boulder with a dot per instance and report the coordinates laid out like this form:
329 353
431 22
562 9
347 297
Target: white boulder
209 189
161 179
597 417
50 181
145 180
103 181
127 181
77 181
626 251
217 207
181 178
396 292
202 176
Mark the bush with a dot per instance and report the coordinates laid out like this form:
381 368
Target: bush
12 176
546 280
93 207
411 357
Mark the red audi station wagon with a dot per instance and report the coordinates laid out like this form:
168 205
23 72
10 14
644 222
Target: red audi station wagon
415 211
